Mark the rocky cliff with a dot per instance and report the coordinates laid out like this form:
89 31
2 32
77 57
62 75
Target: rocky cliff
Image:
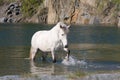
77 12
83 11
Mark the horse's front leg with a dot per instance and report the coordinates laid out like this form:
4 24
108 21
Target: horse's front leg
53 56
68 51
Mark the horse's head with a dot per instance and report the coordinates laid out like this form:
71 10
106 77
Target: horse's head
64 29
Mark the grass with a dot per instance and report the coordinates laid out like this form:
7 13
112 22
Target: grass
102 4
29 7
6 1
116 1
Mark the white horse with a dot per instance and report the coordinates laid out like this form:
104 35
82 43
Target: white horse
50 40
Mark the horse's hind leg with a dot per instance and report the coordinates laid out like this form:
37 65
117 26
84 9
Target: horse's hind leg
32 53
44 55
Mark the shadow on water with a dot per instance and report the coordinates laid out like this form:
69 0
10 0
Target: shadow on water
98 46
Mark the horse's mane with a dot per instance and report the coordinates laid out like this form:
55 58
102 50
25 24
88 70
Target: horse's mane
57 26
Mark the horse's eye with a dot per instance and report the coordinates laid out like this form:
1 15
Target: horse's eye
62 34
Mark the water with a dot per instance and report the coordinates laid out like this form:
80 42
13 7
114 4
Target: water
73 62
95 52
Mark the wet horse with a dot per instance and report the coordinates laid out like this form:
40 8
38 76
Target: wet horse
50 40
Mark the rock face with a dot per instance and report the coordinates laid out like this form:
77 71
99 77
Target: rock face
79 12
69 11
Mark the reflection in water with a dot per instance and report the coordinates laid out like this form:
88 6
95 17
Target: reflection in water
48 69
45 68
102 52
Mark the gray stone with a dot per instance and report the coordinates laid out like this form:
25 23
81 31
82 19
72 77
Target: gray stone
119 21
3 20
9 12
94 20
10 20
17 13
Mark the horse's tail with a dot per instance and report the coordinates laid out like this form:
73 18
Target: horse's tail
32 53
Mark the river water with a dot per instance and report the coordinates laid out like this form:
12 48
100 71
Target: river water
97 46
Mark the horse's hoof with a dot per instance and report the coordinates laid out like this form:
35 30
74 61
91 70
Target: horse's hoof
54 61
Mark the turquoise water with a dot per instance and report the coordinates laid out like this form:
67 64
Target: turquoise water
98 46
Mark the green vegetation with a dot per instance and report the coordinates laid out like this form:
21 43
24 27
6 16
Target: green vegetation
77 74
117 3
1 2
29 7
103 5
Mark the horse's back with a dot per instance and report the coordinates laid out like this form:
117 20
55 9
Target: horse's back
38 37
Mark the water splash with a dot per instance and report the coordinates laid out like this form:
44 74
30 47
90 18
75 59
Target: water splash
73 61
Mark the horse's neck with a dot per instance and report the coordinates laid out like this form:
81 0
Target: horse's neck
55 29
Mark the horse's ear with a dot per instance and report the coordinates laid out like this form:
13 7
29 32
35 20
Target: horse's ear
61 26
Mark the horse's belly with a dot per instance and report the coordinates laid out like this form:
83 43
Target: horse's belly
45 49
44 46
48 47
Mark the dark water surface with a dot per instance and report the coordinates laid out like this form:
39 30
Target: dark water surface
98 46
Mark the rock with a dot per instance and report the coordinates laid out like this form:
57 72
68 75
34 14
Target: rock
2 20
12 13
9 12
16 5
11 6
17 13
10 20
52 15
118 19
34 19
5 19
69 11
94 20
17 9
58 10
39 17
81 11
74 16
89 2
